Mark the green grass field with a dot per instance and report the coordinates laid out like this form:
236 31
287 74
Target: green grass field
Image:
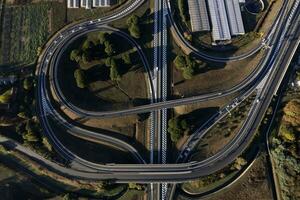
25 28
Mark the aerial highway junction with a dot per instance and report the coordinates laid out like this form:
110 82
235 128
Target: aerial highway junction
280 52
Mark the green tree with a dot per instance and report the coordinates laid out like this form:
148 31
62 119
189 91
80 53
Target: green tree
133 26
180 62
126 58
176 128
87 45
110 62
188 73
30 134
239 163
75 55
287 133
80 78
85 58
109 49
133 19
27 83
103 36
114 74
6 96
134 31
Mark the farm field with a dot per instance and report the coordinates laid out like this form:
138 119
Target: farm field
25 29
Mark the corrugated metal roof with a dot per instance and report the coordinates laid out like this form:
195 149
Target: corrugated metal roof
199 15
235 17
218 16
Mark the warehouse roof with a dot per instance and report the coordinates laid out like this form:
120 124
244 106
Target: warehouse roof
199 16
235 17
218 16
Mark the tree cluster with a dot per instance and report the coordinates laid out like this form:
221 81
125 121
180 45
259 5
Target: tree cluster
286 151
187 65
133 26
176 128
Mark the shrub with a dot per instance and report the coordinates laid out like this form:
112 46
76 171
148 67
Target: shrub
126 58
6 96
75 55
80 78
176 128
102 37
109 50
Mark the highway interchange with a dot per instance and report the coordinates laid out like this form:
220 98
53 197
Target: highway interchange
282 43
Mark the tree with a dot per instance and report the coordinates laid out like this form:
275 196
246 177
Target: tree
110 62
133 19
187 65
85 58
47 144
133 26
176 128
30 134
126 58
102 37
87 45
27 83
134 31
109 49
179 62
114 74
287 133
75 55
188 73
80 78
6 96
239 162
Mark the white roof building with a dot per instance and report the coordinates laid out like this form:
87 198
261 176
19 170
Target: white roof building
219 21
102 3
234 17
199 15
73 3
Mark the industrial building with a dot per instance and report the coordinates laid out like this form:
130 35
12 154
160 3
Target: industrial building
225 18
101 3
219 20
73 3
235 17
88 4
198 15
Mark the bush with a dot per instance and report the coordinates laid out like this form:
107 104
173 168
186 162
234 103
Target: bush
134 31
102 37
133 26
176 128
75 55
114 74
187 65
28 83
6 96
126 58
180 62
110 62
87 45
80 78
109 50
133 19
